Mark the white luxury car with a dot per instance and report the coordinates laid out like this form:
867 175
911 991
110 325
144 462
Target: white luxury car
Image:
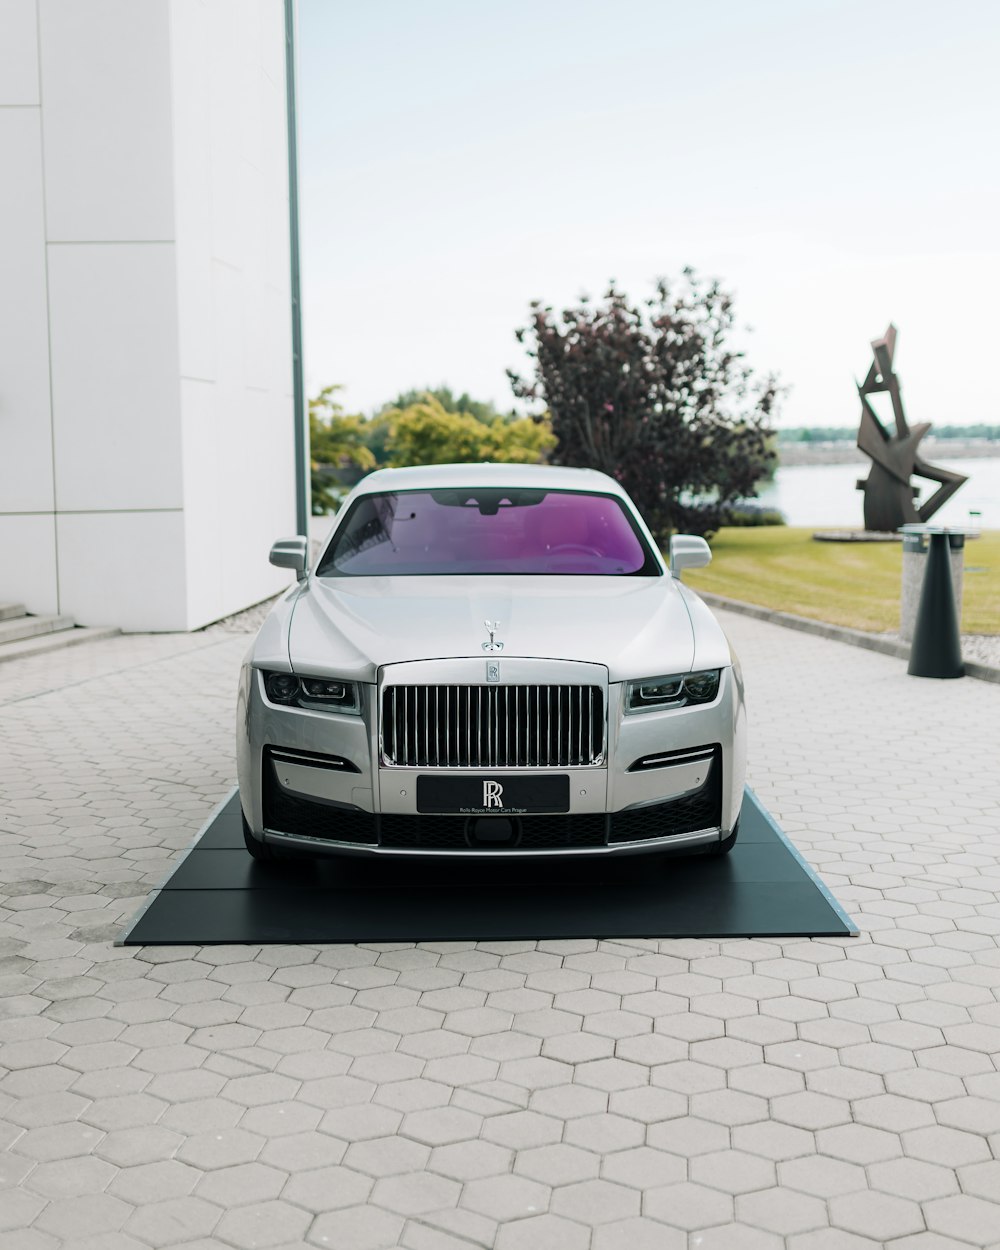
490 660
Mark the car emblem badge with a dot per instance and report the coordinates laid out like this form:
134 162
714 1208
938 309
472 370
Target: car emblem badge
492 670
492 644
492 794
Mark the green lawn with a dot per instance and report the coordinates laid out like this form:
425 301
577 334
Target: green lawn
854 584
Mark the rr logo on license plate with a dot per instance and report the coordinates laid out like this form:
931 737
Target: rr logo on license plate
492 794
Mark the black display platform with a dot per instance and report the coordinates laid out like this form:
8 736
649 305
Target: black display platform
218 893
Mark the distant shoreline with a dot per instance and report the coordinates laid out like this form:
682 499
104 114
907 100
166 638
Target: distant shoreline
843 452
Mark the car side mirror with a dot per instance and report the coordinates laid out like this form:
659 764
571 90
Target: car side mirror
688 551
292 553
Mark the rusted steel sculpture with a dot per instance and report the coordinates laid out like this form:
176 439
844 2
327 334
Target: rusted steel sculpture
890 500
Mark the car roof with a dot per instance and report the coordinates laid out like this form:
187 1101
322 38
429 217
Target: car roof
434 476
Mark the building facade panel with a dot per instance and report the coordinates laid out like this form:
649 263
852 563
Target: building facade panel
123 568
26 478
18 53
147 417
29 571
106 100
115 388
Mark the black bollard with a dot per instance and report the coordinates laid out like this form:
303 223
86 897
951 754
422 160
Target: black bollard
937 648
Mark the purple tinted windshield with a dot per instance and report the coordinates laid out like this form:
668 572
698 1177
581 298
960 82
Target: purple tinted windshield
487 530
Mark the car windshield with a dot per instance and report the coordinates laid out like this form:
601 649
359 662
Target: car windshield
488 530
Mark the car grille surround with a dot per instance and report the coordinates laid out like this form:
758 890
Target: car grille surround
492 726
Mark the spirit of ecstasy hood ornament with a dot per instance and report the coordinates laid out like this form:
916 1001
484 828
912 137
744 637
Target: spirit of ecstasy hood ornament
492 644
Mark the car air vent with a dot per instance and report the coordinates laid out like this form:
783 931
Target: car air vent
493 726
311 759
667 759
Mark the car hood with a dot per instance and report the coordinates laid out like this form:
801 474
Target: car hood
349 627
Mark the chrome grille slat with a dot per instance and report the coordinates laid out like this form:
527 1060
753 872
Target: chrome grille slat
514 726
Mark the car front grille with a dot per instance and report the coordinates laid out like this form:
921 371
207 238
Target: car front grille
492 726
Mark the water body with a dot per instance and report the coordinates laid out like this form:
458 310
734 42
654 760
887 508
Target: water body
825 495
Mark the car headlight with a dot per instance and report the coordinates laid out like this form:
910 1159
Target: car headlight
655 694
322 694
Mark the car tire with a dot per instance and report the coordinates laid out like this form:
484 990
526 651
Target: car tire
725 845
261 851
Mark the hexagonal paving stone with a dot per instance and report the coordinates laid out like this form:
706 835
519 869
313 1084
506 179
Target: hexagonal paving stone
772 1140
728 1106
876 1215
386 1156
639 1233
470 1160
264 1224
688 1205
414 1193
604 1133
642 1167
550 1231
506 1197
153 1182
964 1217
361 1122
360 1227
327 1189
781 1211
913 1178
559 1164
822 1176
174 1220
70 1178
856 1143
521 1130
732 1171
279 1119
59 1141
19 1209
595 1202
413 1095
981 1179
295 1152
84 1215
566 1102
688 1136
947 1146
648 1104
811 1111
221 1150
132 1146
242 1184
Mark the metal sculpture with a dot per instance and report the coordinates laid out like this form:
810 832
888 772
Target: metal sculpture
890 500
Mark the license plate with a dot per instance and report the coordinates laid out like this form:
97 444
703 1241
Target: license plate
492 796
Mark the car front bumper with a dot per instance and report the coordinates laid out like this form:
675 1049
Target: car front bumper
666 780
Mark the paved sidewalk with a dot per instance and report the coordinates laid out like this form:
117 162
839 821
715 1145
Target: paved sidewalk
794 1095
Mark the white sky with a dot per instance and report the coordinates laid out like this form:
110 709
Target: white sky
834 163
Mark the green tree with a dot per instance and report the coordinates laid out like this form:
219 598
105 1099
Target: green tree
482 410
338 449
425 432
654 396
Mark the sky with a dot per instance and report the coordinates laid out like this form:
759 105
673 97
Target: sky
834 164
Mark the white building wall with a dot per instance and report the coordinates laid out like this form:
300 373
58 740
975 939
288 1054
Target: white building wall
146 421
